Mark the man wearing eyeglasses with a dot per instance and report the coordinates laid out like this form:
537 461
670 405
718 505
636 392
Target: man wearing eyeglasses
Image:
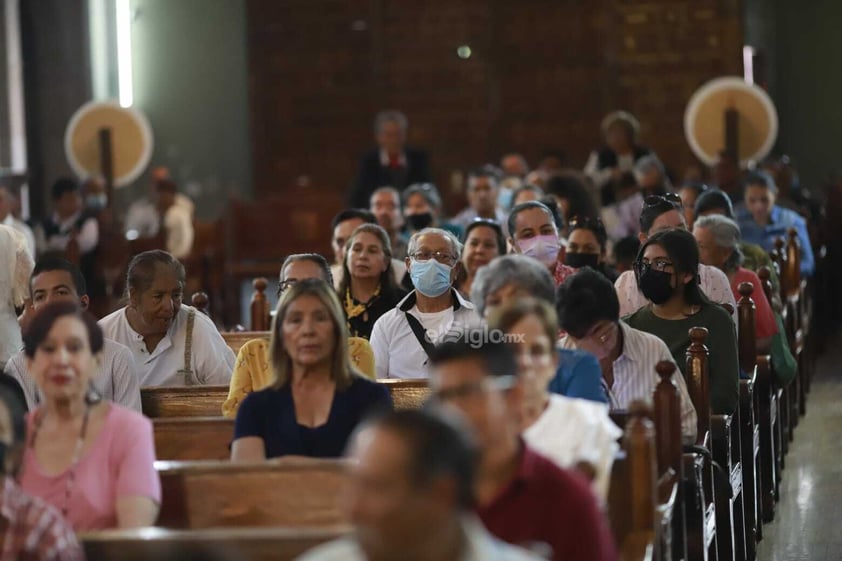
664 213
403 337
522 497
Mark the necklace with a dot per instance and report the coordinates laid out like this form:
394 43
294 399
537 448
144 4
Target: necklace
70 482
354 309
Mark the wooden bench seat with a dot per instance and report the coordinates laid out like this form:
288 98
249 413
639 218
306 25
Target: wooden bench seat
193 438
218 544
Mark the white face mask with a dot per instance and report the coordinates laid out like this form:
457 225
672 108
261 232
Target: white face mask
543 248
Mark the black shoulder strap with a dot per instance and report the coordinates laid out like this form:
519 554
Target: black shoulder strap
419 332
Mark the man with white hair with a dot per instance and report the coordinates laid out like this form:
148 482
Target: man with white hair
391 163
403 337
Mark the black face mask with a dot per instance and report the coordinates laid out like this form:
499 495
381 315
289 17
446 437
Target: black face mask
655 285
419 221
579 260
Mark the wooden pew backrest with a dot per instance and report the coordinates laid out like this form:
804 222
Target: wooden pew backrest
193 438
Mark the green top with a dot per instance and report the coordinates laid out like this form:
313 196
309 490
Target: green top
723 364
755 257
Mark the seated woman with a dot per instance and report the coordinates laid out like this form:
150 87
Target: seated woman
484 241
316 398
718 238
572 432
14 279
172 343
511 277
586 246
690 193
368 288
90 458
251 369
667 274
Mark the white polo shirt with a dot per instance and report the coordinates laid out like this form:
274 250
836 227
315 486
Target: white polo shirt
211 359
398 353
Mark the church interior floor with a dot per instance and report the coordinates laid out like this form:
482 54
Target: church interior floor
808 521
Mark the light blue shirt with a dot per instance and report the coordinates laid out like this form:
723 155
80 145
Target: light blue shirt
578 375
780 221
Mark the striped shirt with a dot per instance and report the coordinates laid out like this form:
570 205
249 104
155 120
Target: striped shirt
635 376
32 530
116 381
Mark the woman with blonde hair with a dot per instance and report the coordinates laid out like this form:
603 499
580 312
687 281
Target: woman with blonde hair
316 397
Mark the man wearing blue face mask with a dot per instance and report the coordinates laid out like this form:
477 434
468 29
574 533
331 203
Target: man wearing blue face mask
433 312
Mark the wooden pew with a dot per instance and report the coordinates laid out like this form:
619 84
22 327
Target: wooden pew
217 544
236 339
193 438
289 492
770 396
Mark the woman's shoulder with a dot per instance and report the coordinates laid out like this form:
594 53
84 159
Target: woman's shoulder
267 397
121 417
365 390
715 314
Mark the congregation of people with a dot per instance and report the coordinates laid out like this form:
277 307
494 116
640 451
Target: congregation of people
533 312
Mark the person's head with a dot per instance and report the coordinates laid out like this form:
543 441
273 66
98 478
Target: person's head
661 213
533 232
509 278
477 376
514 165
620 130
309 331
411 477
63 346
421 206
155 286
484 241
568 188
385 204
55 279
525 193
726 171
586 241
300 266
390 131
482 192
667 267
67 200
718 238
7 202
12 431
625 253
368 255
589 311
759 196
552 161
93 189
713 201
690 193
165 192
342 225
651 176
534 325
431 257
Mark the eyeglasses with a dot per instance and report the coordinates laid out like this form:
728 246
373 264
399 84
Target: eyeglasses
656 200
498 383
285 285
441 257
659 264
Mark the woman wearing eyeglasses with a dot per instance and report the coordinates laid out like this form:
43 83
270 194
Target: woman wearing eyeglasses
368 288
483 242
586 246
667 274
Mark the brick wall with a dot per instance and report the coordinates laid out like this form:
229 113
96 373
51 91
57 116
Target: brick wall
541 75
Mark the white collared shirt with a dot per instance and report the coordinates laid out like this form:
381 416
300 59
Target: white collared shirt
116 380
714 284
397 352
574 430
87 238
211 359
480 545
635 376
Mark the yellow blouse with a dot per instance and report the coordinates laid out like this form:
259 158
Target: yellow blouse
252 371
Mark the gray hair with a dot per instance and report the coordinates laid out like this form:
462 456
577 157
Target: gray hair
726 233
144 266
386 189
390 116
525 273
650 162
315 258
426 190
455 244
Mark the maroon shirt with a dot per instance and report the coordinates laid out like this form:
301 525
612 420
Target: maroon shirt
546 504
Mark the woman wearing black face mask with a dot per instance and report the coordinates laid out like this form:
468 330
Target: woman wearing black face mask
586 246
422 208
667 274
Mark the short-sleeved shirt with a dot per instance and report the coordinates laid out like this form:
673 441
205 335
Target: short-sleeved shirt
120 463
764 320
270 415
578 375
544 503
780 221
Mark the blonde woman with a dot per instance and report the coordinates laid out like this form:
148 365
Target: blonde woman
316 398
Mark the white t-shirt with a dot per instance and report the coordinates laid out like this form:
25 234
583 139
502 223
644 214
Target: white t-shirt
436 324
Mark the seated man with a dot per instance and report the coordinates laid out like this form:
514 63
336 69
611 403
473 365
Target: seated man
385 204
521 497
589 311
403 337
176 218
483 192
411 492
664 213
342 226
511 277
533 232
55 280
762 221
30 528
68 221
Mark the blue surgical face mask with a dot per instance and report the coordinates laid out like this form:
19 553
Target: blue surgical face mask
430 277
96 201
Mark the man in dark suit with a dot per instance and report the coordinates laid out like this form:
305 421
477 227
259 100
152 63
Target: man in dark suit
391 163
